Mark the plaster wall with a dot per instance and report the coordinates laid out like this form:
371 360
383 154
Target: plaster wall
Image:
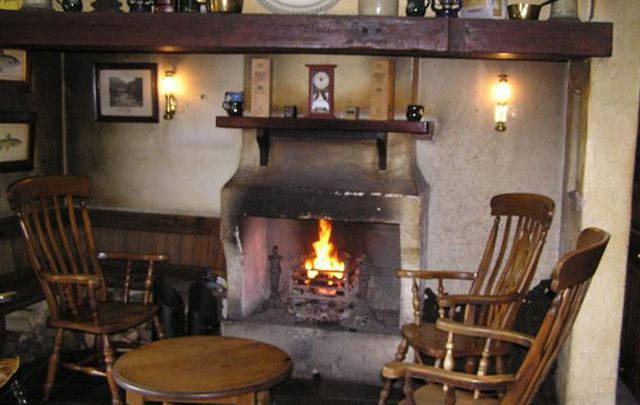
175 166
590 362
179 166
468 162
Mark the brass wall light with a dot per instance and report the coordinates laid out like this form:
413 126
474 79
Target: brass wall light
502 94
169 89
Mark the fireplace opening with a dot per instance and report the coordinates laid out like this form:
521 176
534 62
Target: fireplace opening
323 273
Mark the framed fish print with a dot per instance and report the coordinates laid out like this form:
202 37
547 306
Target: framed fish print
14 69
126 92
17 141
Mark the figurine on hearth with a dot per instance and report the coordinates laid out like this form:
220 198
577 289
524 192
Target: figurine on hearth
274 271
363 276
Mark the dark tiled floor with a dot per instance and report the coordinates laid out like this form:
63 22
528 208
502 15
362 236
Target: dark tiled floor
73 388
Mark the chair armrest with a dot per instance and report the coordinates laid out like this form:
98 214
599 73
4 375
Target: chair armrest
82 279
503 335
448 301
137 257
436 274
395 370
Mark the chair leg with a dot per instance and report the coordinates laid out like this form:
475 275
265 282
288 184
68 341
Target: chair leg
401 353
108 359
53 362
158 326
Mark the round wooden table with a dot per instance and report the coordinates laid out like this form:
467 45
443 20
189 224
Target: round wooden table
205 369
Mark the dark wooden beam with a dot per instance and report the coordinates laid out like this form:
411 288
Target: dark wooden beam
220 33
511 39
246 33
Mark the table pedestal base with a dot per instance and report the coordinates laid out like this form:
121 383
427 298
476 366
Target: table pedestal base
261 398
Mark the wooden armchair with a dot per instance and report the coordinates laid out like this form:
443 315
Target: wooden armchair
570 281
506 269
54 220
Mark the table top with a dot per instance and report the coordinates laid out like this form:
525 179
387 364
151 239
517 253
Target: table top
201 368
8 367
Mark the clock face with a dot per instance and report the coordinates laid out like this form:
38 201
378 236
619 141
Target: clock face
321 80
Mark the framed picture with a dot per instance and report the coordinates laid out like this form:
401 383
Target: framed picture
126 92
17 141
14 69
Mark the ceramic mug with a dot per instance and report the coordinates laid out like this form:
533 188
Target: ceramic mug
71 5
414 112
233 103
417 8
378 7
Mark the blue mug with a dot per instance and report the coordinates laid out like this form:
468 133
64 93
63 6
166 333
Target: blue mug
233 103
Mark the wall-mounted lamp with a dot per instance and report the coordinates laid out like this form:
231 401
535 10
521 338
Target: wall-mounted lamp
502 93
169 89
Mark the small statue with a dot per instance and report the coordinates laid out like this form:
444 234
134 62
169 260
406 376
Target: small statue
363 276
274 270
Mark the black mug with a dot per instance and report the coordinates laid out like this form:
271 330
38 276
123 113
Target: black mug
414 112
233 108
417 8
71 5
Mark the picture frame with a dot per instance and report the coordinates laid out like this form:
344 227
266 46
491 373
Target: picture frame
17 141
126 92
15 75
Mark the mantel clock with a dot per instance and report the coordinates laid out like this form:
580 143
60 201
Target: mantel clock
321 84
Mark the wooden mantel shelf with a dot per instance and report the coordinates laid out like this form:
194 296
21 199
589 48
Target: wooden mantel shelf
358 35
424 128
326 128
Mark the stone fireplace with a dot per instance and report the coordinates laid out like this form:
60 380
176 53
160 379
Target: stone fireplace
270 219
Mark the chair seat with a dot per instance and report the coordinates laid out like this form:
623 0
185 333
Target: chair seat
432 394
114 317
431 342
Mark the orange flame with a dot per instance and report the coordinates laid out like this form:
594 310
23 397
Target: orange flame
326 258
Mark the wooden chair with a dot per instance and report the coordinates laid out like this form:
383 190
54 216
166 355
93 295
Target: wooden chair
570 281
54 220
516 238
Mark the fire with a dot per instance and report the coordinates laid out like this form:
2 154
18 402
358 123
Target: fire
326 257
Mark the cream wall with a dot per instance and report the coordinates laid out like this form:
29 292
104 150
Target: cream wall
175 166
468 162
179 166
591 360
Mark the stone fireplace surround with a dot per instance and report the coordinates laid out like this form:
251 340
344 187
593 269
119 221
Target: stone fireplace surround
329 178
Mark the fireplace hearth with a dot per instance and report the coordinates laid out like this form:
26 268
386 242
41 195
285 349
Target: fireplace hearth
341 326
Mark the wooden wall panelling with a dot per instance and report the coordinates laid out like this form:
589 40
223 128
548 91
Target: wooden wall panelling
158 242
145 240
172 247
201 249
189 240
187 243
